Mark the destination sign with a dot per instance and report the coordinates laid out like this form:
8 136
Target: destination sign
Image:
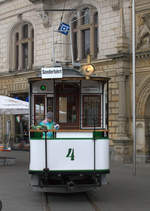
51 72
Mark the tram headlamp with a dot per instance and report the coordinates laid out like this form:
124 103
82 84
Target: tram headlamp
88 69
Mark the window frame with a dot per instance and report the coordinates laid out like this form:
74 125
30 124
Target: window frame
39 119
18 41
100 114
79 53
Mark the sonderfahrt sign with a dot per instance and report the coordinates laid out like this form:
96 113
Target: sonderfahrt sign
51 72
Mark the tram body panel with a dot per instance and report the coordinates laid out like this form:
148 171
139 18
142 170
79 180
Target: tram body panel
74 134
75 150
102 154
37 155
70 155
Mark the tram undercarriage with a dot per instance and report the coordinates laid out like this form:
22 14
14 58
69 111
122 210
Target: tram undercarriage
64 183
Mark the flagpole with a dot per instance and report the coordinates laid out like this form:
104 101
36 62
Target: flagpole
133 88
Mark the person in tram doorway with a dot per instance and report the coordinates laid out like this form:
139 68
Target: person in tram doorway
49 124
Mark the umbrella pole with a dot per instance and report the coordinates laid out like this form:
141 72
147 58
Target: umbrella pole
3 132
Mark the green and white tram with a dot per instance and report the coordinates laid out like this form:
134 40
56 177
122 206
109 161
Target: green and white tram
76 157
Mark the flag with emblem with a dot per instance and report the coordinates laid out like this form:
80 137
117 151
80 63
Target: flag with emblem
64 28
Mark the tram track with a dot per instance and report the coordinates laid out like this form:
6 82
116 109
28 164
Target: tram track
45 202
92 202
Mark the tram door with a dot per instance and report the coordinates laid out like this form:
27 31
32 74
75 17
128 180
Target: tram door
67 105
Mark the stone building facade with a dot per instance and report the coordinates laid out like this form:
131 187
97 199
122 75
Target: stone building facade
29 41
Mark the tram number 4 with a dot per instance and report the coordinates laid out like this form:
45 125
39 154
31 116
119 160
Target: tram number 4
70 153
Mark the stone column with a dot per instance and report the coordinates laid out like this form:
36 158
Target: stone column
121 141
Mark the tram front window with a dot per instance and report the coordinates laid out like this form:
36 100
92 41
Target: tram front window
67 111
63 109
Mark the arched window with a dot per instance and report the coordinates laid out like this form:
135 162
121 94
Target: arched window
74 37
85 33
22 47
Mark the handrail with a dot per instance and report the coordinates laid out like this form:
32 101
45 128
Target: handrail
68 130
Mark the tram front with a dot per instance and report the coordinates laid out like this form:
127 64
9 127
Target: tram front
76 156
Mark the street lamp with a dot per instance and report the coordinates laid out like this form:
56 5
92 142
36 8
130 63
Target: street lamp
133 88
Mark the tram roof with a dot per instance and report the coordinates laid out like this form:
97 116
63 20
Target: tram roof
71 73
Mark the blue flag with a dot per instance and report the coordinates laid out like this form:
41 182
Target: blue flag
64 28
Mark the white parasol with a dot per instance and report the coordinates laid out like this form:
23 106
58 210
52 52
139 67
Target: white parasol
10 105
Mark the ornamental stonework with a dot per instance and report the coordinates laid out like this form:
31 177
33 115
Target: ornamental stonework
143 32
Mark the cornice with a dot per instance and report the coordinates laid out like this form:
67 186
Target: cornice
143 54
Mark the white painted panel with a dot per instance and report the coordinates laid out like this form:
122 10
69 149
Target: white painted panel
37 155
83 155
74 135
102 154
58 150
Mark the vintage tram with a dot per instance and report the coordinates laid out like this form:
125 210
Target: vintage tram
76 157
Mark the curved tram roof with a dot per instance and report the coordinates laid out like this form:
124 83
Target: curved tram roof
71 73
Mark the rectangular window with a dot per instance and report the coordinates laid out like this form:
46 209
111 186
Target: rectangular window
17 37
63 109
25 55
32 62
75 49
85 16
85 42
67 105
50 104
91 113
25 31
32 53
17 57
39 108
67 109
95 41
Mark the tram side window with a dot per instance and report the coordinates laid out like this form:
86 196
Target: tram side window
91 111
39 111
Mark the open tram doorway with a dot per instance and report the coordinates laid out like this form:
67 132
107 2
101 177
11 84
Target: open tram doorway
68 105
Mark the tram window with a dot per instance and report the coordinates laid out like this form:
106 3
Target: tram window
91 111
49 104
39 111
62 109
67 109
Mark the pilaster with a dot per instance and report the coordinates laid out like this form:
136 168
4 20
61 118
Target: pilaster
121 141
